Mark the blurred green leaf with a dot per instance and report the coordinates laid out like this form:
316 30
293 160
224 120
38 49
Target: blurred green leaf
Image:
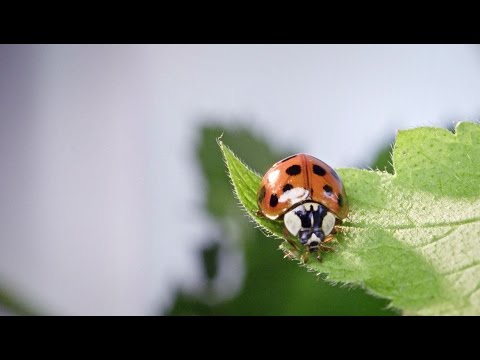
411 237
14 305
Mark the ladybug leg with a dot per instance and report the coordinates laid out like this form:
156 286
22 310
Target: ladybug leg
289 253
295 254
336 229
260 214
328 238
305 256
325 248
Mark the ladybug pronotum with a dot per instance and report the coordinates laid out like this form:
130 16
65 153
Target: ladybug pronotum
308 196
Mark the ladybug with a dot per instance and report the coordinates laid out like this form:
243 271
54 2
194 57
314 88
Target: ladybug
308 196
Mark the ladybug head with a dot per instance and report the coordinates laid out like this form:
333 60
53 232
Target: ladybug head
310 221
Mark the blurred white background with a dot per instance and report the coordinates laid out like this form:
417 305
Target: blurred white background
100 195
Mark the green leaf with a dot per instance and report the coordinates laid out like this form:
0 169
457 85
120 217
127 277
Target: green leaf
412 237
246 182
383 161
267 285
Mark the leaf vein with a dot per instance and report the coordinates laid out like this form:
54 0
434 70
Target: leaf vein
463 268
408 226
435 239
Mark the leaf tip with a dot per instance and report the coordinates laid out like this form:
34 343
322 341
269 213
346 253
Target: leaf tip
219 140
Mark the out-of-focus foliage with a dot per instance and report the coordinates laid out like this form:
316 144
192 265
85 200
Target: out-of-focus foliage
13 304
272 286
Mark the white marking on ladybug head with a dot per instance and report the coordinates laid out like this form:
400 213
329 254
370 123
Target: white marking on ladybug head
294 195
273 176
328 223
313 238
292 222
313 205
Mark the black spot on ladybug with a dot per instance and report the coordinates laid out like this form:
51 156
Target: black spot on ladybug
317 169
287 187
335 175
261 194
273 200
328 189
288 158
340 200
294 170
